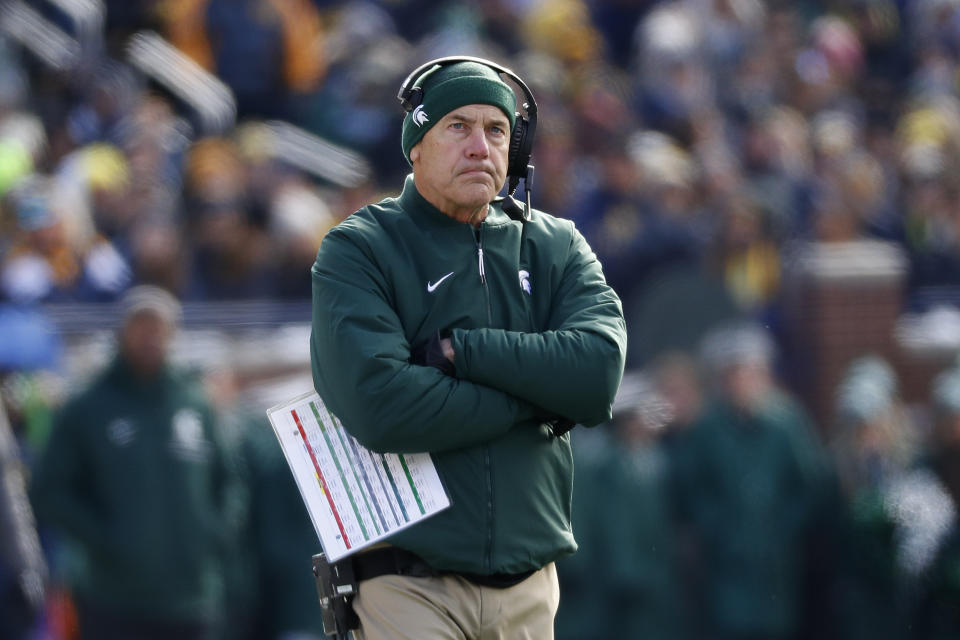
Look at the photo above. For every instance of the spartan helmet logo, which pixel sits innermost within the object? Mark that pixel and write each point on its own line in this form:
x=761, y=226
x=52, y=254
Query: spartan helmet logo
x=419, y=116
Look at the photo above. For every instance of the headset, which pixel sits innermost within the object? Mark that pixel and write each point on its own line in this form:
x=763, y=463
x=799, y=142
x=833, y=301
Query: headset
x=521, y=138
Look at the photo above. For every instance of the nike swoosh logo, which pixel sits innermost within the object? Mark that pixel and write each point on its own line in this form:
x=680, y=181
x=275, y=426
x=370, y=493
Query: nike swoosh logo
x=431, y=286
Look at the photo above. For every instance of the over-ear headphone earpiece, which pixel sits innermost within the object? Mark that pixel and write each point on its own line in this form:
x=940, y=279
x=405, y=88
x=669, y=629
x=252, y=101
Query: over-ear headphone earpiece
x=521, y=138
x=412, y=99
x=516, y=142
x=521, y=148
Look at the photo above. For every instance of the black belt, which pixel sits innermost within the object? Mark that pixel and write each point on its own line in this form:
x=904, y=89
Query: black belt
x=395, y=561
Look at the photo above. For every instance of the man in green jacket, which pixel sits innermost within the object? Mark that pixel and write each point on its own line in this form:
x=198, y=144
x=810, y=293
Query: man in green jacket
x=133, y=477
x=450, y=321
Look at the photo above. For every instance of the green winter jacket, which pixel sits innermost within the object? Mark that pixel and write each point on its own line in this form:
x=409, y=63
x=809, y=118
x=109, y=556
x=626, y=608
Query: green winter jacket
x=134, y=475
x=537, y=333
x=749, y=483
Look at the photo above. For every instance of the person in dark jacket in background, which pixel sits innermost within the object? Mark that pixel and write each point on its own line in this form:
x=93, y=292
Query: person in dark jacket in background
x=874, y=451
x=134, y=478
x=284, y=537
x=582, y=615
x=936, y=614
x=446, y=320
x=749, y=484
x=638, y=543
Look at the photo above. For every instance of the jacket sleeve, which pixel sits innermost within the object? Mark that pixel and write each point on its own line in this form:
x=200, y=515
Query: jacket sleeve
x=359, y=355
x=573, y=369
x=59, y=487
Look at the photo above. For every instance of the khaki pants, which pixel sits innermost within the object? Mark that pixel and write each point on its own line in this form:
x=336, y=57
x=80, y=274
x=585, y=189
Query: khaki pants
x=395, y=607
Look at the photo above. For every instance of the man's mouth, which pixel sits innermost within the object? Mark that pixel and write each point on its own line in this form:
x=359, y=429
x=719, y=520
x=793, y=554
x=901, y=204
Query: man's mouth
x=474, y=172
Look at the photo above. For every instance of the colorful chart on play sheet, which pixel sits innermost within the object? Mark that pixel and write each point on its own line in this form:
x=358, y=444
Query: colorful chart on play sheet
x=355, y=497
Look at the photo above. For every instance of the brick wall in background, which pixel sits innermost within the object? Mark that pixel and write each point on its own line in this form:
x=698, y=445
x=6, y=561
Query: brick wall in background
x=842, y=301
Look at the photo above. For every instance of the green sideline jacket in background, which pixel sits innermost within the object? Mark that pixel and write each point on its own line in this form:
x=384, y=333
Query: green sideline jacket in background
x=537, y=333
x=134, y=474
x=749, y=484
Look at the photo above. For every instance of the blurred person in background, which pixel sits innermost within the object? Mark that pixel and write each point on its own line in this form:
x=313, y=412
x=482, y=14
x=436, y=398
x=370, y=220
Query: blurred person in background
x=937, y=612
x=746, y=255
x=154, y=142
x=241, y=612
x=677, y=380
x=775, y=153
x=748, y=489
x=99, y=102
x=22, y=143
x=637, y=552
x=583, y=605
x=230, y=250
x=40, y=263
x=871, y=197
x=299, y=219
x=564, y=31
x=826, y=66
x=124, y=197
x=134, y=479
x=291, y=209
x=31, y=376
x=615, y=21
x=673, y=77
x=270, y=591
x=875, y=449
x=30, y=359
x=23, y=569
x=267, y=51
x=284, y=540
x=831, y=220
x=928, y=141
x=55, y=256
x=639, y=216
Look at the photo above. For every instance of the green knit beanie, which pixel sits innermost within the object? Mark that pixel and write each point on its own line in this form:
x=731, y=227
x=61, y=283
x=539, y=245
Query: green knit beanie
x=449, y=87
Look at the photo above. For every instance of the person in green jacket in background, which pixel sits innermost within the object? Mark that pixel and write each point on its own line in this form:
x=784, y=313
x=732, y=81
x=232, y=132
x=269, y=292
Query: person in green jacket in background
x=749, y=484
x=270, y=590
x=450, y=321
x=284, y=540
x=638, y=541
x=583, y=610
x=135, y=479
x=874, y=449
x=936, y=614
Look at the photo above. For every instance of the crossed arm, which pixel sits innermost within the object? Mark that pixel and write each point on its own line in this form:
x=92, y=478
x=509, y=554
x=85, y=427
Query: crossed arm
x=502, y=377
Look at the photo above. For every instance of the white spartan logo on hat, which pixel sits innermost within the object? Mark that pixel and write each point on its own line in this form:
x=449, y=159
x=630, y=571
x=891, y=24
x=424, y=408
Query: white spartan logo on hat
x=419, y=116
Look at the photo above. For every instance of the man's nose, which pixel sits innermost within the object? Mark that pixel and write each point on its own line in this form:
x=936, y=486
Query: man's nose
x=477, y=144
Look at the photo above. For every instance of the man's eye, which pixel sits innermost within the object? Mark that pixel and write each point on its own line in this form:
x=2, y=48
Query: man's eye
x=500, y=131
x=457, y=125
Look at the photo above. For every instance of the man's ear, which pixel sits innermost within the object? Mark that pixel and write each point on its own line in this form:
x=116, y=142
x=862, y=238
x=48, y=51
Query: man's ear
x=415, y=153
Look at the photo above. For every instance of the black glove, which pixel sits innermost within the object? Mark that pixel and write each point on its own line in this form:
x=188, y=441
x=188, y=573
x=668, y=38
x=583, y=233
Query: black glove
x=430, y=354
x=560, y=426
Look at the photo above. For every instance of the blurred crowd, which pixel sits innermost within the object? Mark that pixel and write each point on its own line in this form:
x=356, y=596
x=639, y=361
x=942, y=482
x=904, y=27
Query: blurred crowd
x=705, y=133
x=695, y=143
x=712, y=507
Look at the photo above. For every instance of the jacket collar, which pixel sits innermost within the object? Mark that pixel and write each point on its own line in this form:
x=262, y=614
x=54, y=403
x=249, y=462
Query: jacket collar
x=120, y=373
x=418, y=207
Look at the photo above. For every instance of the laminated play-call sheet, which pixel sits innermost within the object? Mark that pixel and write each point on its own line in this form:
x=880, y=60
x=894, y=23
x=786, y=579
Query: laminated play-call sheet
x=355, y=497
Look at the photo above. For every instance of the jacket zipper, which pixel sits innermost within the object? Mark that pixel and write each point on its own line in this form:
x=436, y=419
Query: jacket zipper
x=487, y=466
x=483, y=273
